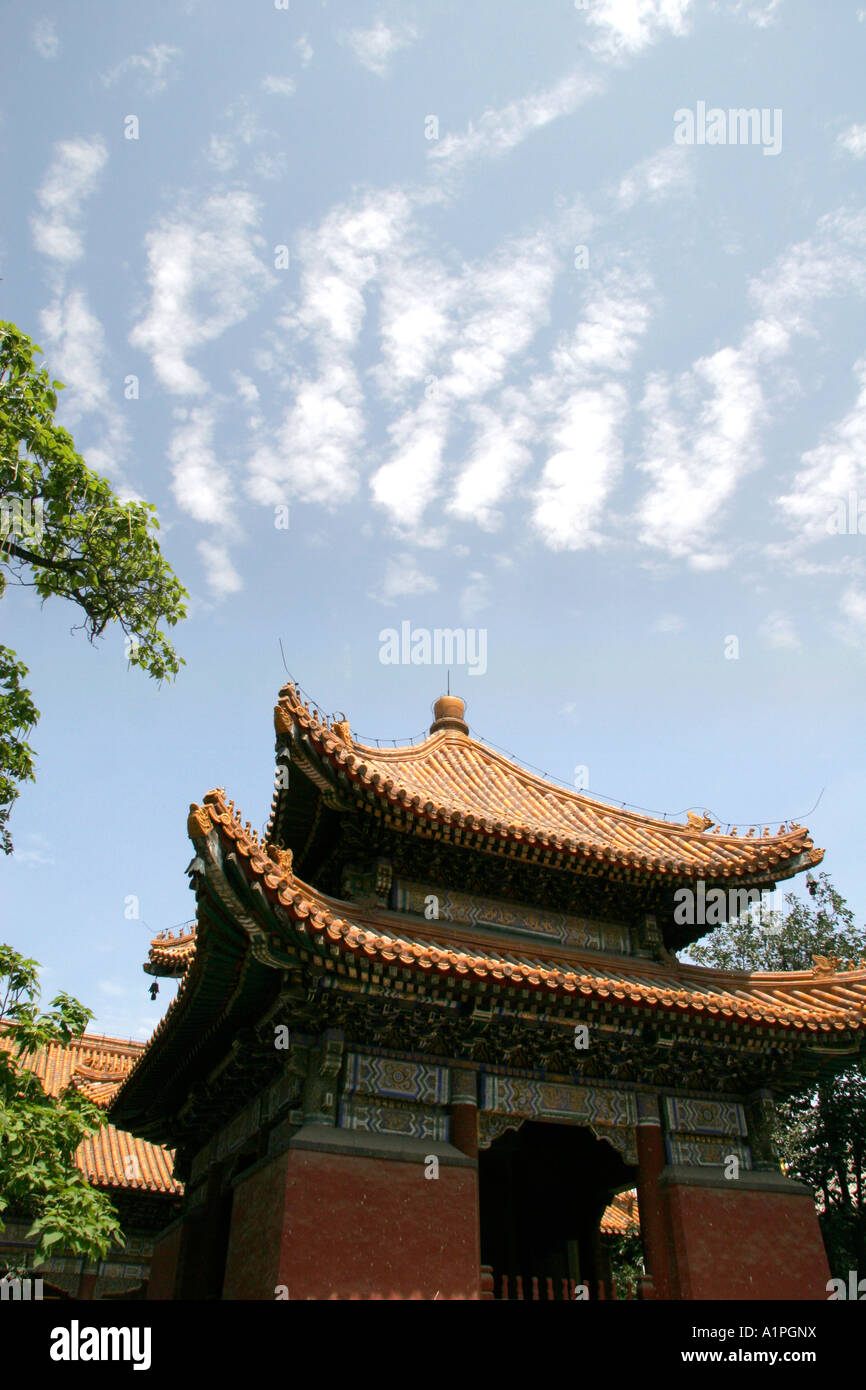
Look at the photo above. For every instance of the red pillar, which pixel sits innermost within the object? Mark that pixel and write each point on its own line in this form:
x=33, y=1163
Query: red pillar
x=653, y=1224
x=464, y=1111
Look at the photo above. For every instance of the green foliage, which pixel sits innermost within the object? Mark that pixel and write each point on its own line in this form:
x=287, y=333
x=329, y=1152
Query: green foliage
x=18, y=714
x=762, y=940
x=821, y=1132
x=625, y=1255
x=39, y=1134
x=85, y=546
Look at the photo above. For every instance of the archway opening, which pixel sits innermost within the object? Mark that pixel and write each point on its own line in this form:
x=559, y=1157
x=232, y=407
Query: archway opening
x=542, y=1191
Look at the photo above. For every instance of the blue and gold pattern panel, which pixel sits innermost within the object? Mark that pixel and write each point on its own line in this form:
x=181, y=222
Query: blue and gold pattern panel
x=396, y=1079
x=702, y=1152
x=469, y=910
x=703, y=1133
x=409, y=1121
x=545, y=1100
x=685, y=1115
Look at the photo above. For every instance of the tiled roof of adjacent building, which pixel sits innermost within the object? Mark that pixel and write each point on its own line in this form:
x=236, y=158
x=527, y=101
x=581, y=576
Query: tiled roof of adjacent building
x=96, y=1066
x=457, y=787
x=621, y=1215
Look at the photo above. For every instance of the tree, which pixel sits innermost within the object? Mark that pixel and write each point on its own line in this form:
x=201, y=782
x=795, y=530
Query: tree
x=821, y=1130
x=64, y=533
x=39, y=1133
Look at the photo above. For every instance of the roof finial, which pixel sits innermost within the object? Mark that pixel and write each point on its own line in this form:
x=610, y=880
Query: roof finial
x=448, y=713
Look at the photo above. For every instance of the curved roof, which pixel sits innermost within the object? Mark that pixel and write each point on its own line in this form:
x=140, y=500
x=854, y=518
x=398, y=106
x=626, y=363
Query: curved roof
x=469, y=791
x=171, y=955
x=97, y=1066
x=820, y=1000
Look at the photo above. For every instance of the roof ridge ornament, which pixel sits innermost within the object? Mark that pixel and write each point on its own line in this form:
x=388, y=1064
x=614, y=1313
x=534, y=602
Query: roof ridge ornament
x=448, y=712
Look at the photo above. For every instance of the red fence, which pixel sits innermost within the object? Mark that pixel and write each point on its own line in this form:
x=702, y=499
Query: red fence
x=543, y=1288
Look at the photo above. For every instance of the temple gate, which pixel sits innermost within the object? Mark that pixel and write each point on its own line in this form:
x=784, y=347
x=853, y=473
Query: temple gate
x=432, y=1021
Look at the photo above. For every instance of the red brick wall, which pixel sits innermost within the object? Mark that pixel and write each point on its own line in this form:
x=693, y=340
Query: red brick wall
x=163, y=1264
x=252, y=1262
x=326, y=1225
x=736, y=1243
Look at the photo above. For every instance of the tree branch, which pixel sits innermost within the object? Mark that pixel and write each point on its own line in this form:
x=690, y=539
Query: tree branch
x=21, y=554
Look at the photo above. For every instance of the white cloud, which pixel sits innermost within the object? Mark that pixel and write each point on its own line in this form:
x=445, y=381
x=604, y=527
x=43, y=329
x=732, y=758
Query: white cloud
x=246, y=388
x=152, y=66
x=831, y=481
x=278, y=86
x=205, y=276
x=403, y=579
x=222, y=577
x=853, y=140
x=70, y=179
x=406, y=483
x=852, y=627
x=701, y=438
x=270, y=166
x=475, y=596
x=312, y=457
x=779, y=631
x=831, y=262
x=77, y=353
x=760, y=13
x=704, y=428
x=314, y=450
x=45, y=38
x=75, y=341
x=470, y=328
x=669, y=170
x=33, y=853
x=201, y=486
x=341, y=258
x=241, y=129
x=375, y=47
x=668, y=624
x=304, y=50
x=417, y=300
x=503, y=303
x=609, y=332
x=582, y=409
x=578, y=476
x=626, y=26
x=500, y=453
x=502, y=129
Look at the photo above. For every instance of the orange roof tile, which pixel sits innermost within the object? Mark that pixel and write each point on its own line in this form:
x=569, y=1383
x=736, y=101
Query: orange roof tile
x=621, y=1215
x=172, y=955
x=97, y=1066
x=812, y=1002
x=457, y=783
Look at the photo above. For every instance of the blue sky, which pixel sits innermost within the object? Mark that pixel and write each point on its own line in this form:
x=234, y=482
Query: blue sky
x=443, y=281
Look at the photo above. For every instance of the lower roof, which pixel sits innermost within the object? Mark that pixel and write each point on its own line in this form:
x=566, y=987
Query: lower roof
x=821, y=999
x=96, y=1066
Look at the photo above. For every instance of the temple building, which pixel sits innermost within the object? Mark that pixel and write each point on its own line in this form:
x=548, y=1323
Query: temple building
x=431, y=1023
x=135, y=1175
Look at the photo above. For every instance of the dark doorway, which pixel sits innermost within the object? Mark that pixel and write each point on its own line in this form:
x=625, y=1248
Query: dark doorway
x=542, y=1190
